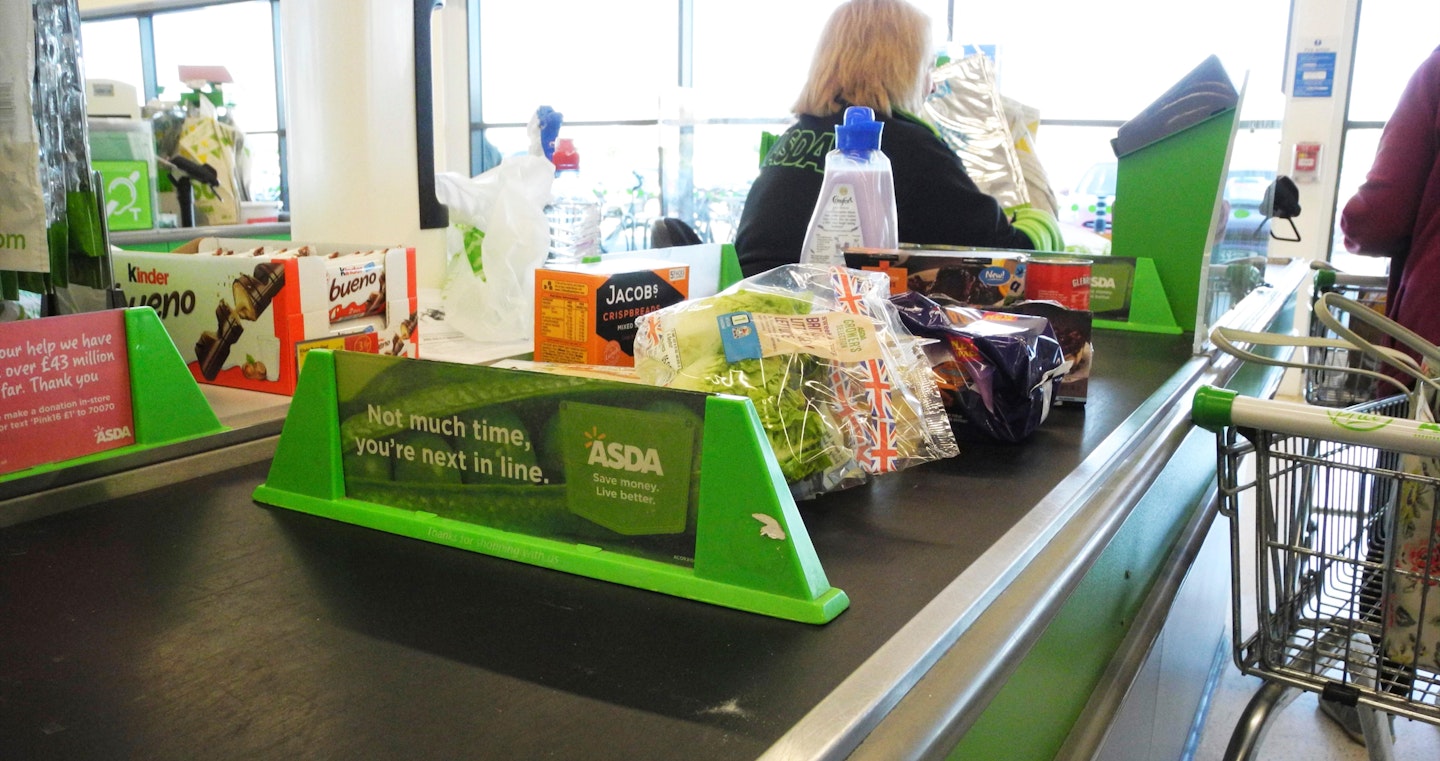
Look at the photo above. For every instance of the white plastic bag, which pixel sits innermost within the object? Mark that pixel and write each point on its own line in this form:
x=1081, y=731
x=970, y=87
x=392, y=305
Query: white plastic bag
x=498, y=236
x=1024, y=124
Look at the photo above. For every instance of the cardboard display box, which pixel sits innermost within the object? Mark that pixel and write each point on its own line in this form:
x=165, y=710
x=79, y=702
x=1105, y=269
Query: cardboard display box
x=978, y=278
x=243, y=313
x=585, y=313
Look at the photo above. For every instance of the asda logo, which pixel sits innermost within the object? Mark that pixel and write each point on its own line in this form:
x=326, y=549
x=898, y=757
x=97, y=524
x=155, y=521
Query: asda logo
x=104, y=435
x=616, y=455
x=1359, y=421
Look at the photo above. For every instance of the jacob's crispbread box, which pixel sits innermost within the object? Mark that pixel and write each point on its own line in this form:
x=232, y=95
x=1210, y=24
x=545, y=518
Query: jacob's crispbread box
x=585, y=313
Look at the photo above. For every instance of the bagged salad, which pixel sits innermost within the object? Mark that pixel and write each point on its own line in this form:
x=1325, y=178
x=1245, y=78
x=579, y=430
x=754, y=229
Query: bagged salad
x=843, y=391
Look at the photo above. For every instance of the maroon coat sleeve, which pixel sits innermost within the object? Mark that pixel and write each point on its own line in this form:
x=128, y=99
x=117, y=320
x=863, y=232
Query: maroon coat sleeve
x=1381, y=218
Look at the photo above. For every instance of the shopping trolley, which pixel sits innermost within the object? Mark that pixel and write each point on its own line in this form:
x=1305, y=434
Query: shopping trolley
x=1326, y=615
x=1344, y=531
x=1330, y=382
x=1229, y=282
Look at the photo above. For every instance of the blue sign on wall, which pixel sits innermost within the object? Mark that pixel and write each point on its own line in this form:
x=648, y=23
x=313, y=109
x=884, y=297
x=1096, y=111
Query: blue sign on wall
x=1314, y=75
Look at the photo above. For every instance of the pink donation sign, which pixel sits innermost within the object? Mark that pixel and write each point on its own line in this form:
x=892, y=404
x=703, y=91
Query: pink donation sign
x=64, y=389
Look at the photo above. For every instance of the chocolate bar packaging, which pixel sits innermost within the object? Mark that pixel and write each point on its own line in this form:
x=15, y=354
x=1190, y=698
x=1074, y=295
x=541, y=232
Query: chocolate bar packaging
x=243, y=313
x=1074, y=329
x=997, y=372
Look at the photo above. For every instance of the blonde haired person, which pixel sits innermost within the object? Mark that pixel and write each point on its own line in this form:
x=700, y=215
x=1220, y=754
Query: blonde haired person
x=872, y=53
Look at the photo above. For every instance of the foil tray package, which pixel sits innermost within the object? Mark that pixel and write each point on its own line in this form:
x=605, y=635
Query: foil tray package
x=843, y=391
x=965, y=106
x=998, y=372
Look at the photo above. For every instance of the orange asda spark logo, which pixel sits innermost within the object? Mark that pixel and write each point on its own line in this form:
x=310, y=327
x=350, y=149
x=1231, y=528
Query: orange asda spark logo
x=617, y=455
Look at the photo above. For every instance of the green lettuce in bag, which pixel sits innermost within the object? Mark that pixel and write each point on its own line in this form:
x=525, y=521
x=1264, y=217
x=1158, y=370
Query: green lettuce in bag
x=821, y=353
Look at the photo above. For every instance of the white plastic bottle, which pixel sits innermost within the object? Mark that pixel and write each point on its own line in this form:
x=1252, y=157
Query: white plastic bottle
x=574, y=211
x=856, y=207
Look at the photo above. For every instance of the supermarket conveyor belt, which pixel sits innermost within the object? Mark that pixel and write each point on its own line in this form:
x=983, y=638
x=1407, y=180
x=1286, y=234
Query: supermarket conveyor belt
x=188, y=621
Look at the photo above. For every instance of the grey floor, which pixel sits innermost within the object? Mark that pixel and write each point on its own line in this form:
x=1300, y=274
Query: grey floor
x=1300, y=732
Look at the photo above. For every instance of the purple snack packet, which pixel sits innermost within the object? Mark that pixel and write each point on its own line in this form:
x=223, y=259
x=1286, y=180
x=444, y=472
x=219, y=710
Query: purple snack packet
x=997, y=371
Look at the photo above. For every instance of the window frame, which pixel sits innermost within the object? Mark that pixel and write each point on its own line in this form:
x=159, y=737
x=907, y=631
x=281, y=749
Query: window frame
x=145, y=28
x=679, y=191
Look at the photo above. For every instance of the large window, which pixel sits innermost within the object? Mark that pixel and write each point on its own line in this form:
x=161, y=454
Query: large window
x=682, y=135
x=1091, y=66
x=147, y=50
x=1393, y=37
x=606, y=67
x=112, y=51
x=667, y=99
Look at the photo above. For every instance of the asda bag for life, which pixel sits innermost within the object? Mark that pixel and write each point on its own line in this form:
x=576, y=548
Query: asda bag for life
x=1411, y=596
x=498, y=236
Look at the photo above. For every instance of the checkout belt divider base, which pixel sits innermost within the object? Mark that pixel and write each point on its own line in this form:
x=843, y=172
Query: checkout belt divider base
x=751, y=551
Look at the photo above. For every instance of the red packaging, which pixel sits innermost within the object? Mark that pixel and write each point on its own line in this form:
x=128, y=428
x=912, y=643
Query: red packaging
x=1066, y=281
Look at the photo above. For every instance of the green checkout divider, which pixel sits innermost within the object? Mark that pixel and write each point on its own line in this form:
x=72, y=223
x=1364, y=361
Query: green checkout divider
x=165, y=397
x=750, y=548
x=1149, y=307
x=165, y=400
x=1170, y=189
x=730, y=272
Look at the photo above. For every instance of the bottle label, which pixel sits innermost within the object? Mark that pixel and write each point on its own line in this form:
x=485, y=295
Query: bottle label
x=837, y=336
x=837, y=226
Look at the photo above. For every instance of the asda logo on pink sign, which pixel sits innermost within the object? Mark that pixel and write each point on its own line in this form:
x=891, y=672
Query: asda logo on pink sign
x=106, y=435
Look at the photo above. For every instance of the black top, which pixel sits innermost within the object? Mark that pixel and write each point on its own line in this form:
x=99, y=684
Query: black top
x=189, y=622
x=936, y=202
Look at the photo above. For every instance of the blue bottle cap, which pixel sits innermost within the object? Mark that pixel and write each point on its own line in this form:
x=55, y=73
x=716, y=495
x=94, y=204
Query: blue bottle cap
x=860, y=132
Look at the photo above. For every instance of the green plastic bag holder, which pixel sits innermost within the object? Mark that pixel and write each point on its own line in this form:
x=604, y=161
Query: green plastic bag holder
x=751, y=551
x=165, y=400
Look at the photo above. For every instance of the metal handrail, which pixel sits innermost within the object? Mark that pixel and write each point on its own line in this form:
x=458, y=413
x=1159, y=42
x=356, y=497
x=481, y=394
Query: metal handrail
x=964, y=644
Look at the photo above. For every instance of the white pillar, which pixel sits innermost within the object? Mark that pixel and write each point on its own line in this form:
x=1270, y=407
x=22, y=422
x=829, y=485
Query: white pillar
x=1316, y=25
x=350, y=96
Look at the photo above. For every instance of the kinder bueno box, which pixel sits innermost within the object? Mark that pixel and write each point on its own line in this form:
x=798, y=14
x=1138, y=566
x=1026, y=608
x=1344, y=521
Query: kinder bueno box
x=585, y=313
x=243, y=313
x=972, y=277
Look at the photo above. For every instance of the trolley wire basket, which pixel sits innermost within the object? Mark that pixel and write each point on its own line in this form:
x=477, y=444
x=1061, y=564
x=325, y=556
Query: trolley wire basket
x=1338, y=607
x=1331, y=382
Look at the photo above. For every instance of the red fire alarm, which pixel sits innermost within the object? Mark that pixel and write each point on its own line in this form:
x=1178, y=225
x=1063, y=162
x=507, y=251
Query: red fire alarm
x=1306, y=167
